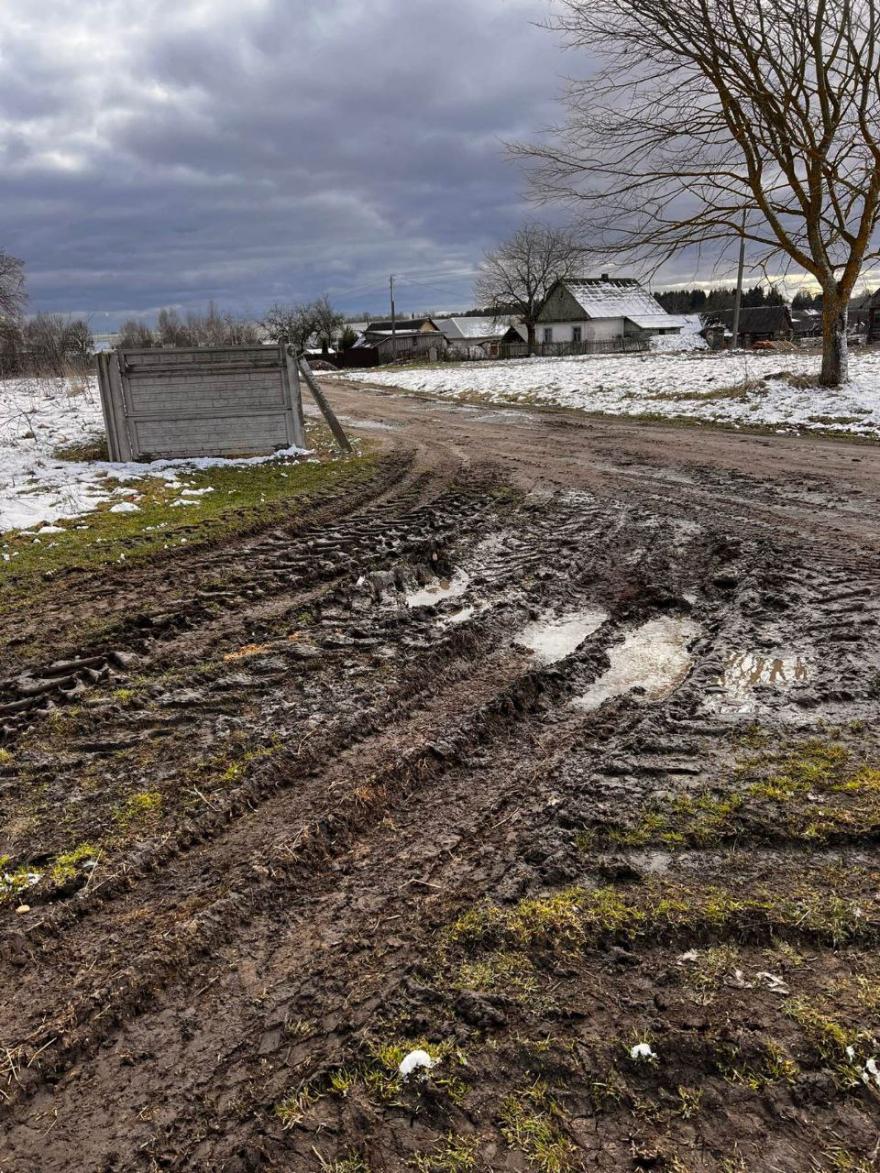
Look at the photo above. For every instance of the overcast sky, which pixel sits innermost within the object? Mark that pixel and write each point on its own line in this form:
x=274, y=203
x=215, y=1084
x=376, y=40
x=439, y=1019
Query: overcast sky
x=165, y=152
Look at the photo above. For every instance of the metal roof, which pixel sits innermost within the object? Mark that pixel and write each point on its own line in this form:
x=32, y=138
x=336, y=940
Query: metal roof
x=621, y=297
x=474, y=327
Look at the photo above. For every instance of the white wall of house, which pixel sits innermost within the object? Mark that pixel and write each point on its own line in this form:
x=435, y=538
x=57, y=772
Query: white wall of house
x=591, y=330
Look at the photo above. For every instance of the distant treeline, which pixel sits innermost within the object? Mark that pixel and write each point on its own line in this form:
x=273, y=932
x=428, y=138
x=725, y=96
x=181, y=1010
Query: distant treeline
x=708, y=301
x=214, y=328
x=47, y=344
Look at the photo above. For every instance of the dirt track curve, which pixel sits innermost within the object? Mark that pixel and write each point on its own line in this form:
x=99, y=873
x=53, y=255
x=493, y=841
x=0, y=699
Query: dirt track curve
x=555, y=738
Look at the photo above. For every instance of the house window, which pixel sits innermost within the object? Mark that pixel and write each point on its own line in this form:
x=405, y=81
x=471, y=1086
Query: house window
x=548, y=333
x=576, y=334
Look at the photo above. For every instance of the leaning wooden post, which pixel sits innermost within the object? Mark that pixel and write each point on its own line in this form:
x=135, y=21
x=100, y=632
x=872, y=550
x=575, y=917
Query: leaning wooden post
x=326, y=409
x=299, y=427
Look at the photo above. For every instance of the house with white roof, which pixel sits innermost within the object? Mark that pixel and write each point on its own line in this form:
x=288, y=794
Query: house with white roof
x=580, y=310
x=478, y=336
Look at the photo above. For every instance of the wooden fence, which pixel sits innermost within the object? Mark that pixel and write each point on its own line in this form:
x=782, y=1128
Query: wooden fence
x=567, y=349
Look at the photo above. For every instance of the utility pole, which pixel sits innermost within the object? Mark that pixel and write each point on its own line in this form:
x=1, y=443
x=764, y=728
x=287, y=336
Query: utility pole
x=393, y=320
x=737, y=305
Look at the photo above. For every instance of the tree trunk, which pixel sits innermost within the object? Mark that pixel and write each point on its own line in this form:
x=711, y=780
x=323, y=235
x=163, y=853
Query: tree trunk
x=835, y=352
x=530, y=329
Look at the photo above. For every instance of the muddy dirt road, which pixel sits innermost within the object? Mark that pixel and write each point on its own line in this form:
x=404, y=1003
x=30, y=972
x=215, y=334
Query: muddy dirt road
x=550, y=753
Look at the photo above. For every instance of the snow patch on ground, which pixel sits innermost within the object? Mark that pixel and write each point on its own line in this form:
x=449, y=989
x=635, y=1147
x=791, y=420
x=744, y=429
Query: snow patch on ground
x=415, y=1061
x=688, y=339
x=38, y=416
x=739, y=388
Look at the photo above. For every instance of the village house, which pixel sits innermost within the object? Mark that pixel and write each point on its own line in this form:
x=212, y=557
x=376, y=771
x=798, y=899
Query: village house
x=409, y=338
x=480, y=336
x=864, y=315
x=761, y=323
x=806, y=324
x=579, y=311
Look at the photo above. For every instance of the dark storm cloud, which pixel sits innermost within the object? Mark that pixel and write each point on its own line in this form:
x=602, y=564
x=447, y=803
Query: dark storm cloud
x=165, y=153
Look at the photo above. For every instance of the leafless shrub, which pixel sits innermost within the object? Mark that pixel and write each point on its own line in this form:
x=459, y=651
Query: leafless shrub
x=12, y=291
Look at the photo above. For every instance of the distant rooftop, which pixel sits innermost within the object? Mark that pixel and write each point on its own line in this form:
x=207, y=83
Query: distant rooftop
x=473, y=327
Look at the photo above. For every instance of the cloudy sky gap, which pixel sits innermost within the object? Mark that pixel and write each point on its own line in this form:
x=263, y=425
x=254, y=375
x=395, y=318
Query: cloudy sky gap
x=159, y=152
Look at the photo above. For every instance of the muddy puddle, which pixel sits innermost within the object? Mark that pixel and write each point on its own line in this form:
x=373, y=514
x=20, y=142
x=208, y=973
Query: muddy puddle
x=746, y=671
x=439, y=589
x=653, y=657
x=553, y=637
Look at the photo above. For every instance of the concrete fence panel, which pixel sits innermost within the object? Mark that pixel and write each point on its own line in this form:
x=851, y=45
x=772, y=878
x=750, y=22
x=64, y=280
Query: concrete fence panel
x=225, y=401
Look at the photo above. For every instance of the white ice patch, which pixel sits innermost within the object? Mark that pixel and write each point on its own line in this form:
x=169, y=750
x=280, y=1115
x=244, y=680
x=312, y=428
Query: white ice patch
x=439, y=589
x=125, y=507
x=653, y=657
x=415, y=1061
x=554, y=637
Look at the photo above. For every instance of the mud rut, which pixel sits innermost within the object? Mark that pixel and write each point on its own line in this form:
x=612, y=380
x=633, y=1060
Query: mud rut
x=343, y=776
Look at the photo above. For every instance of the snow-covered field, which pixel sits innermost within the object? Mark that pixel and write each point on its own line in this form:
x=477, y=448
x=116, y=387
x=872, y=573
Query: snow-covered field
x=39, y=416
x=739, y=388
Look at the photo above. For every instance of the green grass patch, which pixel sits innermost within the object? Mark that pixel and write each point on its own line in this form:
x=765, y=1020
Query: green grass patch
x=531, y=1122
x=63, y=868
x=809, y=791
x=240, y=498
x=454, y=1154
x=375, y=1073
x=139, y=808
x=827, y=906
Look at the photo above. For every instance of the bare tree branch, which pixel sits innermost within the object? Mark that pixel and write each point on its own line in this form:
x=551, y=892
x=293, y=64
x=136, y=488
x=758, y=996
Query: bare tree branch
x=703, y=112
x=12, y=292
x=516, y=277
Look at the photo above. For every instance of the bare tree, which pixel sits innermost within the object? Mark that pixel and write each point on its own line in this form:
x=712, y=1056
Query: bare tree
x=12, y=292
x=290, y=323
x=328, y=323
x=172, y=330
x=516, y=277
x=710, y=120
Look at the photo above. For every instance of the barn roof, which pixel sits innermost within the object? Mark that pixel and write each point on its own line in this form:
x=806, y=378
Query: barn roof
x=758, y=319
x=400, y=325
x=620, y=297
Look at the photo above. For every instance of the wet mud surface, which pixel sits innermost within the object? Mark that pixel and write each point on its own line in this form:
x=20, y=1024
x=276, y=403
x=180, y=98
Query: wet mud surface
x=551, y=752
